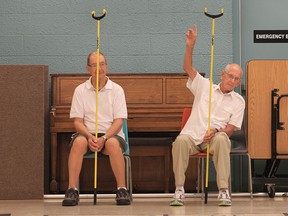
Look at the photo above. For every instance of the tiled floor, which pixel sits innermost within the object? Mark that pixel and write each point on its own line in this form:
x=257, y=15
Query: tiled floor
x=147, y=205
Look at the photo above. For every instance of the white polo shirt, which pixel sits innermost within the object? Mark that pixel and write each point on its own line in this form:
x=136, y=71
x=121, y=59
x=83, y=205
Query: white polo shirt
x=111, y=105
x=225, y=108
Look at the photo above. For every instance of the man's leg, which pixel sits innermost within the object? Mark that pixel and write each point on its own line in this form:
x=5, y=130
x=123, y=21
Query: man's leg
x=182, y=148
x=220, y=148
x=78, y=149
x=117, y=162
x=113, y=149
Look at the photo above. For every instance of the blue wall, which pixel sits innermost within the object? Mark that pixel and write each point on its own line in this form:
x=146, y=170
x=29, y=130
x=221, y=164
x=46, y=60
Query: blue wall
x=270, y=15
x=136, y=35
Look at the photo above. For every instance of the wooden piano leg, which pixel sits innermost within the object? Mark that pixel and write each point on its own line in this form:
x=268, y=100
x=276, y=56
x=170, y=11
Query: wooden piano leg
x=53, y=183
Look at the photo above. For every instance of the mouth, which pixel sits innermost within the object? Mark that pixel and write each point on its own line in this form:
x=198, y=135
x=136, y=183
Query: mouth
x=231, y=85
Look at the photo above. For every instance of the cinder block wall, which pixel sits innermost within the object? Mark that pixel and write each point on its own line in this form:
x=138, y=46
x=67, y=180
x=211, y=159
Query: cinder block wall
x=136, y=35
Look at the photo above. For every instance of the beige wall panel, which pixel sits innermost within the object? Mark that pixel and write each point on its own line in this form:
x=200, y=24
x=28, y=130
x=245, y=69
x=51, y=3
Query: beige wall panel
x=262, y=77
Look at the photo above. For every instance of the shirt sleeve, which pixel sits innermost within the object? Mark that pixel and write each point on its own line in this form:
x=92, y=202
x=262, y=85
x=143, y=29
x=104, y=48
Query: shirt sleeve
x=238, y=114
x=120, y=107
x=197, y=84
x=77, y=109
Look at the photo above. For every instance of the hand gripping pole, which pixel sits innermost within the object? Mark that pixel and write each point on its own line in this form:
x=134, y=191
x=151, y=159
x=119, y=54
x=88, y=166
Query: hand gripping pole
x=98, y=18
x=210, y=96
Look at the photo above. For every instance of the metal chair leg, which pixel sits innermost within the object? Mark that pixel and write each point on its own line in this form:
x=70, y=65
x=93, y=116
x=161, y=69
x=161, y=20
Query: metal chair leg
x=250, y=184
x=202, y=177
x=198, y=176
x=128, y=175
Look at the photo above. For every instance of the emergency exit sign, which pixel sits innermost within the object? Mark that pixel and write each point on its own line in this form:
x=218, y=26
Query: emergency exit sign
x=270, y=36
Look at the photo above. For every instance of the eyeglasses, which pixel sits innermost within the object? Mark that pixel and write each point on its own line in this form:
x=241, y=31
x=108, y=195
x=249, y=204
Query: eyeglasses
x=230, y=76
x=101, y=64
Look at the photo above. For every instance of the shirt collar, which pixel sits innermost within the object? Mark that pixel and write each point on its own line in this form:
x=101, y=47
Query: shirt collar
x=91, y=87
x=217, y=87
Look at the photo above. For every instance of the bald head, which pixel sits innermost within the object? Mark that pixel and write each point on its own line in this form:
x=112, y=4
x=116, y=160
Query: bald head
x=94, y=53
x=234, y=67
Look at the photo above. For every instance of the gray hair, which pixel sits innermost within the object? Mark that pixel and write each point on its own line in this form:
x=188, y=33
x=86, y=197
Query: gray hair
x=94, y=53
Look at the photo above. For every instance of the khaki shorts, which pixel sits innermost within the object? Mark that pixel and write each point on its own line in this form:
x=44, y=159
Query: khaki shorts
x=120, y=139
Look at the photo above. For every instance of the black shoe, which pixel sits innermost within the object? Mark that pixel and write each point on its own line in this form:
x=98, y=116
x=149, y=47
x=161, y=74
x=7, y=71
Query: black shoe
x=71, y=197
x=122, y=197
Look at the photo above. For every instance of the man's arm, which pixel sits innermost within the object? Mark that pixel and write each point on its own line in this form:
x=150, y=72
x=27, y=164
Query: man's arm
x=229, y=129
x=115, y=128
x=191, y=36
x=81, y=128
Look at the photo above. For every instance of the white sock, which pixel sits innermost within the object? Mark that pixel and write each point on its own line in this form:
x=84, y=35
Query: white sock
x=118, y=188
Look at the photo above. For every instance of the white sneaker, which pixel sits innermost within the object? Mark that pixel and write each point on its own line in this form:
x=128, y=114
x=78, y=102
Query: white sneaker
x=224, y=198
x=178, y=198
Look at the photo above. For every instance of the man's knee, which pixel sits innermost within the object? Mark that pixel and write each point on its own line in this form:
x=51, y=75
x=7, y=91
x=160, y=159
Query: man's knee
x=180, y=143
x=221, y=140
x=112, y=147
x=221, y=137
x=80, y=144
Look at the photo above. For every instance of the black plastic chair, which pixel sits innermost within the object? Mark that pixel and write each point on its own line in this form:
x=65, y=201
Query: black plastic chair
x=239, y=147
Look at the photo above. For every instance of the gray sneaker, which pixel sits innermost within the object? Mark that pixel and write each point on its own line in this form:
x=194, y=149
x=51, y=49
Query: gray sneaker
x=122, y=197
x=224, y=198
x=71, y=197
x=178, y=198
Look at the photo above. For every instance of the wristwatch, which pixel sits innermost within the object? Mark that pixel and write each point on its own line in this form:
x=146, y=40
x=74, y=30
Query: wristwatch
x=104, y=138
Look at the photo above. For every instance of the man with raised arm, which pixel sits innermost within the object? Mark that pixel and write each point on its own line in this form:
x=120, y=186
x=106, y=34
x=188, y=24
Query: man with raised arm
x=227, y=110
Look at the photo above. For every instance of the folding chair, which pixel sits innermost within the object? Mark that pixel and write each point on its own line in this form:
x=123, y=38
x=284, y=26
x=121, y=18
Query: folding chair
x=126, y=154
x=239, y=147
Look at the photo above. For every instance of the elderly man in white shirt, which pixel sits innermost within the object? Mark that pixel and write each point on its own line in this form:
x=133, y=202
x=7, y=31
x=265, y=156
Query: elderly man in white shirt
x=110, y=138
x=227, y=110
